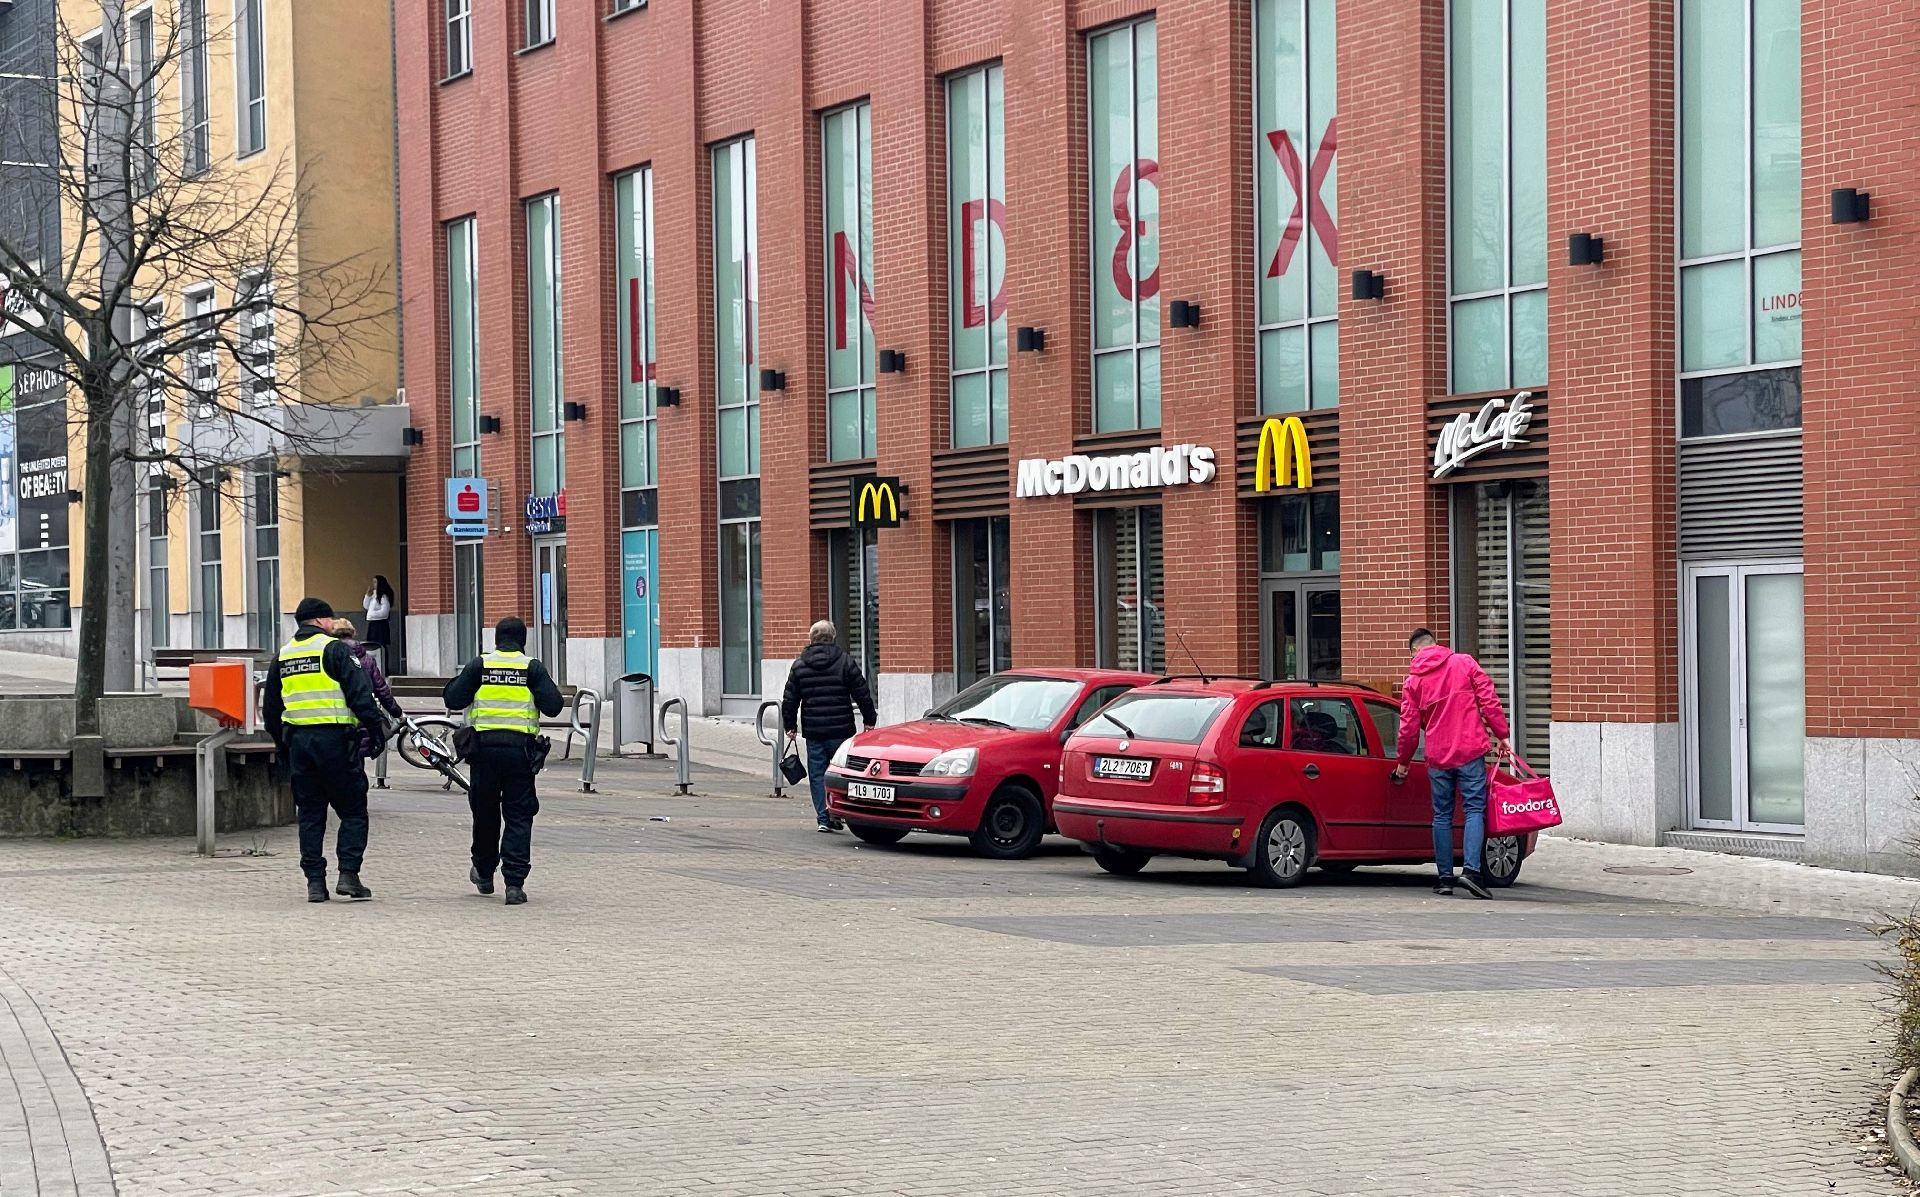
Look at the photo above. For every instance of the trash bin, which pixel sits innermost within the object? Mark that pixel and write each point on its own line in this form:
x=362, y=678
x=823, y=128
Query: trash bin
x=633, y=714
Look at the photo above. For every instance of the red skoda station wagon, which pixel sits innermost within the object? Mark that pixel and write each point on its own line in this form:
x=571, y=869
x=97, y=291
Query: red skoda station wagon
x=1274, y=777
x=984, y=764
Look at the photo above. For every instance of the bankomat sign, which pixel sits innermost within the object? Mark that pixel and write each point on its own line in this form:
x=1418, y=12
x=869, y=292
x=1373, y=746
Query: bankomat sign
x=1283, y=450
x=874, y=502
x=1178, y=465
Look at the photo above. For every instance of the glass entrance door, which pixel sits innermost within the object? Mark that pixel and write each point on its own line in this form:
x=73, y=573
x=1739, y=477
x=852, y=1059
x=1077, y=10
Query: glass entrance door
x=1746, y=696
x=1300, y=627
x=550, y=606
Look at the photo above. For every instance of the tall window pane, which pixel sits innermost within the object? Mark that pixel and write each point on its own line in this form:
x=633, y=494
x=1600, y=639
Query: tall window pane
x=976, y=257
x=463, y=318
x=459, y=37
x=633, y=236
x=846, y=171
x=1296, y=204
x=195, y=147
x=736, y=370
x=543, y=341
x=250, y=75
x=266, y=556
x=1124, y=208
x=1128, y=590
x=1497, y=197
x=1740, y=180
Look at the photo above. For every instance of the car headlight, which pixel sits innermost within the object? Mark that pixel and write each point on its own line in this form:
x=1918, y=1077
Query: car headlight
x=839, y=760
x=955, y=762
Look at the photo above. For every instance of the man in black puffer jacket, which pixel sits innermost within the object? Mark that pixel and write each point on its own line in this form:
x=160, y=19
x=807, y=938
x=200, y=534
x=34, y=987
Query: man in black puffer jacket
x=823, y=687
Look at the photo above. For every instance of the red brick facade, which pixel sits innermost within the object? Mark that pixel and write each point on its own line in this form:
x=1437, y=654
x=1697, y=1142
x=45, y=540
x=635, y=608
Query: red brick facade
x=662, y=84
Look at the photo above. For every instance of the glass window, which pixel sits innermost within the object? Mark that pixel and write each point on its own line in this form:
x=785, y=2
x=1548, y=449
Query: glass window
x=1386, y=721
x=259, y=375
x=463, y=345
x=196, y=149
x=212, y=603
x=846, y=171
x=1128, y=590
x=1502, y=601
x=982, y=599
x=459, y=37
x=639, y=440
x=976, y=257
x=1300, y=533
x=544, y=374
x=1296, y=204
x=34, y=583
x=1732, y=404
x=250, y=80
x=159, y=593
x=853, y=589
x=736, y=336
x=1325, y=725
x=620, y=6
x=266, y=555
x=1099, y=697
x=1497, y=198
x=467, y=589
x=140, y=151
x=1157, y=715
x=1124, y=164
x=1262, y=728
x=1739, y=186
x=539, y=16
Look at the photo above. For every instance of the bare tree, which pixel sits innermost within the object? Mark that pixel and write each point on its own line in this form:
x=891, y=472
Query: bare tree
x=188, y=325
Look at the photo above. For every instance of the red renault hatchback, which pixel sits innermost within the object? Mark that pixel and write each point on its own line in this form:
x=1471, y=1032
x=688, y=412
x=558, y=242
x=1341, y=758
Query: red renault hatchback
x=984, y=764
x=1272, y=776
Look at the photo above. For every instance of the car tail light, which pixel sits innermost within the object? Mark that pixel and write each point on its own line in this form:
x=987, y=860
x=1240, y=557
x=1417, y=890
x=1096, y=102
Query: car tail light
x=1206, y=783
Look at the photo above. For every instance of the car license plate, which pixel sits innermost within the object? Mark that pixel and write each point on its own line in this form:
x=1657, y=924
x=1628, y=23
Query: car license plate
x=1132, y=768
x=869, y=793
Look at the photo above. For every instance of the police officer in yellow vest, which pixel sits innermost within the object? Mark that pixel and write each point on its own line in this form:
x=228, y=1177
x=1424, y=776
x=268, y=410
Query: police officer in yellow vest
x=508, y=692
x=317, y=702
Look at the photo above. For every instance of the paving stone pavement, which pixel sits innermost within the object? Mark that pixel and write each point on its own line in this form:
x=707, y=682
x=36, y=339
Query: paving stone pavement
x=705, y=996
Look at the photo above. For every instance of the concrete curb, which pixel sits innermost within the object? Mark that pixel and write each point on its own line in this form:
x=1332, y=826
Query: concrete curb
x=1899, y=1137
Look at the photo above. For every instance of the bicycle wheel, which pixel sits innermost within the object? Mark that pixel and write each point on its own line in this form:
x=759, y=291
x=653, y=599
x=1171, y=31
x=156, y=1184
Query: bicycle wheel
x=439, y=731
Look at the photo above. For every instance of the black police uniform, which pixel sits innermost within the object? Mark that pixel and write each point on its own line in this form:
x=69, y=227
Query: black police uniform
x=501, y=775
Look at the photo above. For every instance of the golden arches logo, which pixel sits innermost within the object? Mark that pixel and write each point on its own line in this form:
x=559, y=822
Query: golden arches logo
x=1283, y=450
x=883, y=497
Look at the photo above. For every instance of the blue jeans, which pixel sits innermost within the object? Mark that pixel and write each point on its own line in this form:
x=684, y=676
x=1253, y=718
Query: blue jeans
x=819, y=753
x=1470, y=780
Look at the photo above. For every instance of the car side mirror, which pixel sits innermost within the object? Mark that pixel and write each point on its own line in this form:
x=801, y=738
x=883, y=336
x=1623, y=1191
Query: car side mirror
x=1065, y=735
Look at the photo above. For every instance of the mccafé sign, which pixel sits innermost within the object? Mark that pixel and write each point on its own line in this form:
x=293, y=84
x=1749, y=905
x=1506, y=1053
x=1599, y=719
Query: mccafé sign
x=1501, y=423
x=1178, y=465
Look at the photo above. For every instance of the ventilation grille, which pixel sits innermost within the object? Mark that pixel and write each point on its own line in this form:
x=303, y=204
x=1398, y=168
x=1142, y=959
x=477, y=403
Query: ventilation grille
x=1741, y=498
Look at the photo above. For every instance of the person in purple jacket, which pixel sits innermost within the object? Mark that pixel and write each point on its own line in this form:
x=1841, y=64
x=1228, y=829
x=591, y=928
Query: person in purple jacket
x=382, y=692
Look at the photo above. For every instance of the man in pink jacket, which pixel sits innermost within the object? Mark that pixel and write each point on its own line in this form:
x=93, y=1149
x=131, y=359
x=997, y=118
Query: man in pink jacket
x=1450, y=698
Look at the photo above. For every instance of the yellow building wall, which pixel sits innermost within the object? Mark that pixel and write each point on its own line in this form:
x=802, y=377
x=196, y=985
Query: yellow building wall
x=348, y=533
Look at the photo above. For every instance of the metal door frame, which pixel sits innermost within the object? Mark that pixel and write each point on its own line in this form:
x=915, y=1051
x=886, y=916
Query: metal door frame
x=553, y=655
x=1301, y=584
x=1736, y=571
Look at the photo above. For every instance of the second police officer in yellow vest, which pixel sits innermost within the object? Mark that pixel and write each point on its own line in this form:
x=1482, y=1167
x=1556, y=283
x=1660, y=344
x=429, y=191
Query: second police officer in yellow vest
x=507, y=692
x=317, y=702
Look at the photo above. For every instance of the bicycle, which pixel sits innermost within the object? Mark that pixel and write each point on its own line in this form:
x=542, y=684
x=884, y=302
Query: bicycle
x=427, y=743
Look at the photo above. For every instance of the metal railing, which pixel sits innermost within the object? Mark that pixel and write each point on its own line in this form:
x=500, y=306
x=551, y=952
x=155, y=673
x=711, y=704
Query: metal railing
x=591, y=733
x=682, y=744
x=772, y=740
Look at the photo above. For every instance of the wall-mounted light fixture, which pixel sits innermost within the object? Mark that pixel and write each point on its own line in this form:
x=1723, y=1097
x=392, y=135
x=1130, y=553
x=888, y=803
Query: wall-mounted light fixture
x=1850, y=206
x=773, y=380
x=74, y=496
x=1369, y=285
x=1183, y=313
x=572, y=412
x=893, y=361
x=412, y=436
x=666, y=396
x=1586, y=249
x=1027, y=339
x=489, y=423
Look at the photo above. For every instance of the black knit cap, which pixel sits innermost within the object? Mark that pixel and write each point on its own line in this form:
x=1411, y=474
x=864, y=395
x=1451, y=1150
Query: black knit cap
x=311, y=609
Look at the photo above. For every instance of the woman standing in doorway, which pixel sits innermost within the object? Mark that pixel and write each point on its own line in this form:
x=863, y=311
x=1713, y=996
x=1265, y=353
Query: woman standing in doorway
x=378, y=600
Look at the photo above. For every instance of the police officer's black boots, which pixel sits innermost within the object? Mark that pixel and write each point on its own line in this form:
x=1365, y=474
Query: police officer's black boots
x=516, y=896
x=350, y=887
x=483, y=884
x=317, y=890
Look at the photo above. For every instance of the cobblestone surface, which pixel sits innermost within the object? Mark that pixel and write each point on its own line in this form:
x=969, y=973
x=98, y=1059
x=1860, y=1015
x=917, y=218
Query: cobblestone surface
x=727, y=1003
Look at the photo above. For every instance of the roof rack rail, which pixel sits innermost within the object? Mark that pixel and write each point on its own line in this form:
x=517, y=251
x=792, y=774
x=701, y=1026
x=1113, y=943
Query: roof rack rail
x=1164, y=678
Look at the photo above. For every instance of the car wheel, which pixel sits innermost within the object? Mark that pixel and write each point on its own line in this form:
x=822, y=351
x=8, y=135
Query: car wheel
x=1286, y=848
x=1502, y=860
x=873, y=833
x=1121, y=862
x=1012, y=825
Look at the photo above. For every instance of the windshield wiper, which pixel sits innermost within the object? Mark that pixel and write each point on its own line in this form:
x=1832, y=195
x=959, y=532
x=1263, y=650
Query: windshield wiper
x=940, y=716
x=985, y=720
x=1124, y=729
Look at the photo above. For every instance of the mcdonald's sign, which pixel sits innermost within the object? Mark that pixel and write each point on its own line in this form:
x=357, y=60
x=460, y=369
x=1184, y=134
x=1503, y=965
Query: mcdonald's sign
x=874, y=502
x=1283, y=444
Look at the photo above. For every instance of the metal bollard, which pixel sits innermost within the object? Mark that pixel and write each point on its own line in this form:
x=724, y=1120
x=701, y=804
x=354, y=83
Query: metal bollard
x=682, y=743
x=592, y=733
x=207, y=755
x=772, y=740
x=380, y=767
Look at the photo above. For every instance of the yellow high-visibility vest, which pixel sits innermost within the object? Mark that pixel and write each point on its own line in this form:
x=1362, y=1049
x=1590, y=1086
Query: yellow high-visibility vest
x=504, y=701
x=310, y=695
